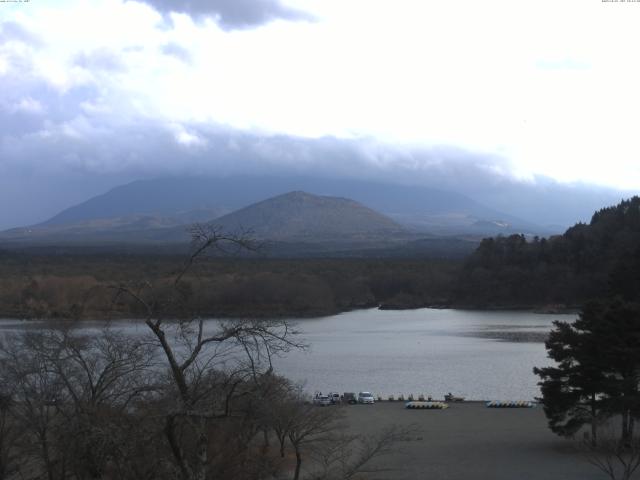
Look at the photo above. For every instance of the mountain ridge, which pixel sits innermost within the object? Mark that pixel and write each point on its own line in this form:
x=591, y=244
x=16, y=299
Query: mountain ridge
x=422, y=209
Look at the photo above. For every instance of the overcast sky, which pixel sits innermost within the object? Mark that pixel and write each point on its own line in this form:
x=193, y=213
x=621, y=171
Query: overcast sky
x=96, y=93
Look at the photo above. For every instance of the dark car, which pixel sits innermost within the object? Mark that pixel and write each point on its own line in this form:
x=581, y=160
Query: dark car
x=350, y=398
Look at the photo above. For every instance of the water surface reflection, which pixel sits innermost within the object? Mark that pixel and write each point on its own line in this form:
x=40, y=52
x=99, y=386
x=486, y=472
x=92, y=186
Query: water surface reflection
x=477, y=354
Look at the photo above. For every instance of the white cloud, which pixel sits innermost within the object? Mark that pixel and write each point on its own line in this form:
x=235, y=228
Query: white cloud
x=548, y=87
x=187, y=138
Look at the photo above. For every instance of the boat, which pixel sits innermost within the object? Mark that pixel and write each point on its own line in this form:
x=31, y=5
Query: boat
x=452, y=398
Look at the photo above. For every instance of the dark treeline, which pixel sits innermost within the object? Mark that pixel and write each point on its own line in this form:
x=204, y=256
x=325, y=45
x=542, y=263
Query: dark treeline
x=601, y=258
x=74, y=286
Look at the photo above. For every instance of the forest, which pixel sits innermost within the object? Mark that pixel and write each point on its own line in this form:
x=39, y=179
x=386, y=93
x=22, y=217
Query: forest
x=77, y=286
x=592, y=260
x=563, y=271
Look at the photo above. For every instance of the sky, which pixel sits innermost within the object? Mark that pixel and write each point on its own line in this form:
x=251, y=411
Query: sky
x=96, y=93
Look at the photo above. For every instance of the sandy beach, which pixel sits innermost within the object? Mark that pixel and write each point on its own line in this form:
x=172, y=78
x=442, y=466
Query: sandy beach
x=470, y=441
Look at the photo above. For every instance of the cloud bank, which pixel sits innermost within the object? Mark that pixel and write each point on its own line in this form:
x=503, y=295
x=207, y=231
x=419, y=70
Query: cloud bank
x=232, y=14
x=410, y=92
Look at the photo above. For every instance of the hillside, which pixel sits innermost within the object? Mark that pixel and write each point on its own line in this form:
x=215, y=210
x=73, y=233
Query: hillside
x=295, y=224
x=300, y=216
x=587, y=261
x=133, y=228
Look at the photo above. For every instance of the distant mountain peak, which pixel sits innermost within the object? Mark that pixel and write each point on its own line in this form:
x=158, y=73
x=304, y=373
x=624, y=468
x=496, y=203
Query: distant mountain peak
x=299, y=215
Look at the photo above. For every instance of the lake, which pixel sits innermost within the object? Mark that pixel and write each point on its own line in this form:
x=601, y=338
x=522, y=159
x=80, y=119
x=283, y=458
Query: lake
x=480, y=355
x=477, y=354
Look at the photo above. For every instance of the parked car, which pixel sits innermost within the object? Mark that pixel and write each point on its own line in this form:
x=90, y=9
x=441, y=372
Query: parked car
x=320, y=399
x=334, y=397
x=365, y=397
x=350, y=398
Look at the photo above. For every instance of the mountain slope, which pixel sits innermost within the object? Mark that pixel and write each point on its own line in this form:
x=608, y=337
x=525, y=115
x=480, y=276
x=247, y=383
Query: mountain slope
x=134, y=228
x=295, y=217
x=301, y=216
x=421, y=208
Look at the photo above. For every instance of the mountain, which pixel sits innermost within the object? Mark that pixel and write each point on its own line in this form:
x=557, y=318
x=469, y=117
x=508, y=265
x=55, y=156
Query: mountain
x=295, y=224
x=291, y=217
x=336, y=217
x=419, y=208
x=300, y=216
x=133, y=228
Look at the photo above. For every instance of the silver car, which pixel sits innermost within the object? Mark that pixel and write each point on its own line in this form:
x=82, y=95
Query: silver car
x=365, y=397
x=320, y=399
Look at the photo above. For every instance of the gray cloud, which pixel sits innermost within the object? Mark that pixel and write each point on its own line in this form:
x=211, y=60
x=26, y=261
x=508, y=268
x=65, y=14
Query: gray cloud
x=100, y=59
x=66, y=162
x=48, y=162
x=35, y=108
x=42, y=173
x=12, y=31
x=232, y=14
x=175, y=50
x=59, y=147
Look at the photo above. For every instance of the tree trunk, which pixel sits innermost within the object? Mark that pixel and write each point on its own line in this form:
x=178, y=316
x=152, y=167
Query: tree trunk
x=46, y=457
x=203, y=444
x=594, y=420
x=169, y=431
x=625, y=426
x=296, y=476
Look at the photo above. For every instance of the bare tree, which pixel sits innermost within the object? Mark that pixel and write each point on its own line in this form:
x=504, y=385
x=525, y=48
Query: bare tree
x=35, y=393
x=102, y=376
x=281, y=414
x=310, y=424
x=187, y=400
x=346, y=457
x=618, y=459
x=195, y=351
x=71, y=393
x=9, y=434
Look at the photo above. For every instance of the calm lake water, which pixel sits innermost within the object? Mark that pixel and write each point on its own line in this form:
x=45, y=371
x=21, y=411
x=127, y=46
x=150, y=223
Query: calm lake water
x=477, y=354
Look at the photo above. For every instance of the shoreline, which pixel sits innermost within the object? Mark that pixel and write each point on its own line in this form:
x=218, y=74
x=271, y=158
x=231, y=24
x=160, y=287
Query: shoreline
x=302, y=315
